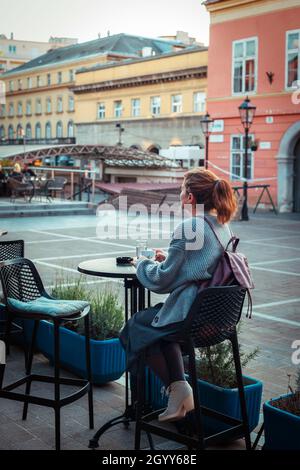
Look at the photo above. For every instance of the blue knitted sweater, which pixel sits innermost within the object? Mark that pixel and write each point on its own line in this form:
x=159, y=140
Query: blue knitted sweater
x=183, y=266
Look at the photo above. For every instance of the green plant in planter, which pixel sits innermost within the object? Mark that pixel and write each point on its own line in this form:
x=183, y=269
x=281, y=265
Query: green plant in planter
x=215, y=364
x=107, y=315
x=290, y=403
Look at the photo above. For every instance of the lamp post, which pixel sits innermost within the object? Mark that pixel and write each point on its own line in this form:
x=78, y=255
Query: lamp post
x=121, y=129
x=206, y=126
x=247, y=113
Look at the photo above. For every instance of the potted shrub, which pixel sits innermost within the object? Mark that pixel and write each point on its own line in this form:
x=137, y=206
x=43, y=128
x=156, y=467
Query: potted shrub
x=106, y=319
x=282, y=420
x=217, y=386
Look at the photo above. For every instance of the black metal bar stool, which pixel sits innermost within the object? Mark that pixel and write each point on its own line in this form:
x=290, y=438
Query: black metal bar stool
x=212, y=319
x=10, y=250
x=26, y=298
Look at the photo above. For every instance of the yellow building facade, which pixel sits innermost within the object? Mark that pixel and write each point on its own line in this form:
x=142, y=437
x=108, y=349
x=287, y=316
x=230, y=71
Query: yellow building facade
x=158, y=101
x=38, y=101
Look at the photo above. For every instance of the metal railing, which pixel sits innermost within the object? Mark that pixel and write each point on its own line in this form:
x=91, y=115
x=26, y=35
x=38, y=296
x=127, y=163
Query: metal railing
x=56, y=171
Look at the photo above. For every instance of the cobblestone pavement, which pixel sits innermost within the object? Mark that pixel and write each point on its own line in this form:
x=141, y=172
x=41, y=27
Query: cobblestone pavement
x=58, y=244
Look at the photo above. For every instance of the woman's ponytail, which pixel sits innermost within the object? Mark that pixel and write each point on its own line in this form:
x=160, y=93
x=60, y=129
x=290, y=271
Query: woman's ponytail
x=223, y=201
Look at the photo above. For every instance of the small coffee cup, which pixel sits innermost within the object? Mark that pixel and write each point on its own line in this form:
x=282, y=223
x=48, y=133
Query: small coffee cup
x=148, y=253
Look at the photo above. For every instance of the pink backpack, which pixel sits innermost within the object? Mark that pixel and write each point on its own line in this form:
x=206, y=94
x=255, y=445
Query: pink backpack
x=232, y=269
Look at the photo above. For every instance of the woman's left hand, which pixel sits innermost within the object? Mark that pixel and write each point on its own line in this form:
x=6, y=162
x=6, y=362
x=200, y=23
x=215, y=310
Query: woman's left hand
x=135, y=260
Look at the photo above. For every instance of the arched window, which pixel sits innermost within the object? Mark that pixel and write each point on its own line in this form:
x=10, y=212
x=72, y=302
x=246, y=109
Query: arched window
x=48, y=131
x=2, y=132
x=10, y=131
x=154, y=149
x=59, y=130
x=38, y=131
x=28, y=132
x=70, y=129
x=19, y=131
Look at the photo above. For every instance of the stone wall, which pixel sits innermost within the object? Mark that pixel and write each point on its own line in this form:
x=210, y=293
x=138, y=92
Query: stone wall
x=143, y=133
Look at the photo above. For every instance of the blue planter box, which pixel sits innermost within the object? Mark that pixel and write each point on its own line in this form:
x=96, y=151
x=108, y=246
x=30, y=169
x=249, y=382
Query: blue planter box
x=282, y=429
x=223, y=400
x=107, y=357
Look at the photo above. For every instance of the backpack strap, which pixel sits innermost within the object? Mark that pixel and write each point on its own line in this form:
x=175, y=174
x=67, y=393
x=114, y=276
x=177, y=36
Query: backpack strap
x=250, y=304
x=233, y=240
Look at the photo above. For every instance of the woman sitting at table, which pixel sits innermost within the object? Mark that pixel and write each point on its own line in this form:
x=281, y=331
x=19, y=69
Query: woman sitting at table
x=17, y=172
x=176, y=273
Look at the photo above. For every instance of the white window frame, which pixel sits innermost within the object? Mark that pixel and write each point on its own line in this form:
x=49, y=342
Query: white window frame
x=71, y=102
x=118, y=110
x=28, y=131
x=202, y=103
x=48, y=105
x=29, y=83
x=48, y=79
x=20, y=108
x=38, y=81
x=250, y=156
x=19, y=84
x=135, y=107
x=10, y=132
x=59, y=104
x=11, y=85
x=175, y=105
x=28, y=108
x=243, y=92
x=2, y=110
x=155, y=107
x=293, y=31
x=11, y=109
x=71, y=126
x=38, y=126
x=59, y=78
x=38, y=106
x=59, y=130
x=101, y=110
x=48, y=127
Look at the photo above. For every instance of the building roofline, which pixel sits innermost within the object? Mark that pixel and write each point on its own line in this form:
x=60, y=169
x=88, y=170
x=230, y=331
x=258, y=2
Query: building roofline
x=187, y=50
x=87, y=43
x=13, y=72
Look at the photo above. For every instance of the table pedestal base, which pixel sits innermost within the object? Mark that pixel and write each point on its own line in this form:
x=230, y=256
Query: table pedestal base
x=134, y=300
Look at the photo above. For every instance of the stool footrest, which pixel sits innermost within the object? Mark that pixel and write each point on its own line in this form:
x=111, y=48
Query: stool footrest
x=6, y=392
x=189, y=440
x=205, y=411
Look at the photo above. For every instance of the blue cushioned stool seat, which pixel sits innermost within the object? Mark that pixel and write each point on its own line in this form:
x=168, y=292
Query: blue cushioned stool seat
x=47, y=307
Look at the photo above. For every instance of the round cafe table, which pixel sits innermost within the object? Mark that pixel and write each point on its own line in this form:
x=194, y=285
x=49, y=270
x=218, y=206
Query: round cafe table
x=135, y=300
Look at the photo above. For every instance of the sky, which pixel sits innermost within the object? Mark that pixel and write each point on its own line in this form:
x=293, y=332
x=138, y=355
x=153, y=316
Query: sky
x=83, y=19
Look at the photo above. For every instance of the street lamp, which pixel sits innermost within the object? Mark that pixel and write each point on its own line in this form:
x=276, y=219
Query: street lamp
x=206, y=126
x=247, y=113
x=121, y=129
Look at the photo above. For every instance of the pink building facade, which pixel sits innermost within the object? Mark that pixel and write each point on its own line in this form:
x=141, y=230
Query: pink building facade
x=254, y=51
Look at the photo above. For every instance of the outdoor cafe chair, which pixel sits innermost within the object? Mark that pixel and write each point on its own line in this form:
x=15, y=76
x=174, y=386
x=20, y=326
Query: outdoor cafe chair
x=56, y=185
x=26, y=298
x=9, y=250
x=212, y=319
x=18, y=188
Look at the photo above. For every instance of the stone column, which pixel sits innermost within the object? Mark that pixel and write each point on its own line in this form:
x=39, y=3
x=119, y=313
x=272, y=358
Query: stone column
x=285, y=166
